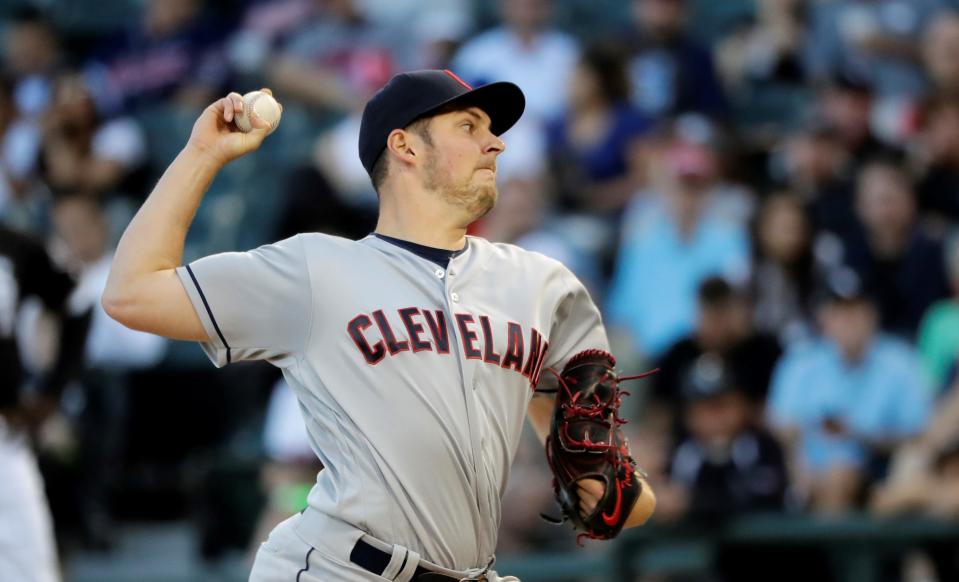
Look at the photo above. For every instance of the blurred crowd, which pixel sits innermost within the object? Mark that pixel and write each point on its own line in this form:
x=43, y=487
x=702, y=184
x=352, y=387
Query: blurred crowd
x=761, y=195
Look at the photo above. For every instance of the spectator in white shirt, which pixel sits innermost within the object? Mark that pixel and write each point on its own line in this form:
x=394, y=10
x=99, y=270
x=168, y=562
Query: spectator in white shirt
x=525, y=50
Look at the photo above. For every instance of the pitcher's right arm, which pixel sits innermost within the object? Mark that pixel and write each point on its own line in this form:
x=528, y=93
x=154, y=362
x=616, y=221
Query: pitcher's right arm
x=143, y=291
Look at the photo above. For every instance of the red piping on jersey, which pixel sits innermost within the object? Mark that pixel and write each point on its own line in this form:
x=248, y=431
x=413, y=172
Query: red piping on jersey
x=458, y=80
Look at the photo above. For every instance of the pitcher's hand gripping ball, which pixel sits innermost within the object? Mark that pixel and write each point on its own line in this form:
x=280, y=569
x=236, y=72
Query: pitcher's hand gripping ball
x=585, y=443
x=258, y=104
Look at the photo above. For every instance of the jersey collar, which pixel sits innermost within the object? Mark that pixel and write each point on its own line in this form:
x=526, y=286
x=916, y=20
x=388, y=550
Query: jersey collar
x=441, y=257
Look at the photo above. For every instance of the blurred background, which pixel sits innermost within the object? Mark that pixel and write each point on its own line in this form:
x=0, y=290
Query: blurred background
x=762, y=196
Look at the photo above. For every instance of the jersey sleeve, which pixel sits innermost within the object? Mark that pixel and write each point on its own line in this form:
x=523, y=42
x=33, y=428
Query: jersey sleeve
x=577, y=326
x=254, y=305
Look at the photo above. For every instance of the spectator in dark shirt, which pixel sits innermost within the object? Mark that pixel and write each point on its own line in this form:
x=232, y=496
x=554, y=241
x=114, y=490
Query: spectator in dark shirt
x=725, y=331
x=767, y=50
x=938, y=155
x=85, y=153
x=727, y=465
x=174, y=53
x=891, y=252
x=26, y=270
x=786, y=269
x=590, y=146
x=312, y=204
x=845, y=104
x=815, y=165
x=670, y=72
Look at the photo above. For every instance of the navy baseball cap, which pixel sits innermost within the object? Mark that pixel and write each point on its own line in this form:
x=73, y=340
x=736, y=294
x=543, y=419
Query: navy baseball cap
x=410, y=96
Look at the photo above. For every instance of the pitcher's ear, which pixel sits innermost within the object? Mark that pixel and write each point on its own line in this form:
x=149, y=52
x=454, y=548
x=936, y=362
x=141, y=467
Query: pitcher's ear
x=400, y=143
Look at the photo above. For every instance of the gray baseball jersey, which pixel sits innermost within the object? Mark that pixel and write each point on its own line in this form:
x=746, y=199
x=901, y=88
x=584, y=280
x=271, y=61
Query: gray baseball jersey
x=413, y=379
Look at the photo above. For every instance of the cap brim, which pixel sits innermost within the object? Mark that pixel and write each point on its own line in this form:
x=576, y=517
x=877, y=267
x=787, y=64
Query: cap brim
x=503, y=101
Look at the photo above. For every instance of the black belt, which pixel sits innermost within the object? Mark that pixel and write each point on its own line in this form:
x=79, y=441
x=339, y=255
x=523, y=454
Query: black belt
x=374, y=560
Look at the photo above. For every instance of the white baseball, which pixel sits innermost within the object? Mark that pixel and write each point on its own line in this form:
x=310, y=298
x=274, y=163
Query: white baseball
x=258, y=104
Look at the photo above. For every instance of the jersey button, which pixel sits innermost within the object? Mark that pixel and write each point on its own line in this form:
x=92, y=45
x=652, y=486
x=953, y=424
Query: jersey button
x=439, y=273
x=455, y=296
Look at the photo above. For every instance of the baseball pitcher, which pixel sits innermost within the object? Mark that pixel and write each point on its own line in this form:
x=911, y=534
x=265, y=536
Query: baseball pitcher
x=415, y=353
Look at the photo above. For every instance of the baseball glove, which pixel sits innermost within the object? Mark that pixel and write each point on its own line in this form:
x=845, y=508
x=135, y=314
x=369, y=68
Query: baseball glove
x=585, y=443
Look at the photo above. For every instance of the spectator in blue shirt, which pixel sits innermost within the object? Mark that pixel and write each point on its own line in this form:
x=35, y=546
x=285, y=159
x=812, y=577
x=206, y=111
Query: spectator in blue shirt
x=673, y=239
x=846, y=400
